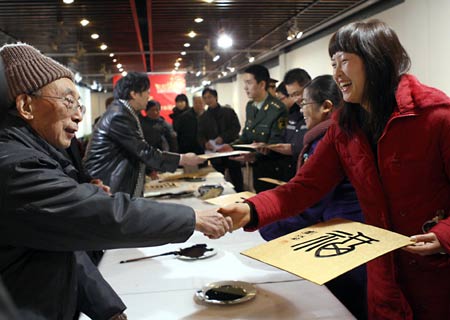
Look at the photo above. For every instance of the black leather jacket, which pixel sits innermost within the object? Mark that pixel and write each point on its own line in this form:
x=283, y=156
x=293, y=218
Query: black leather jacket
x=117, y=147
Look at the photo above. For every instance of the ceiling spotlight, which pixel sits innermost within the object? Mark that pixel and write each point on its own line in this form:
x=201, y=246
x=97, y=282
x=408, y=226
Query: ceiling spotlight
x=121, y=69
x=177, y=64
x=224, y=41
x=294, y=32
x=68, y=1
x=114, y=60
x=198, y=20
x=187, y=45
x=251, y=59
x=192, y=34
x=209, y=1
x=216, y=58
x=95, y=36
x=119, y=65
x=198, y=74
x=103, y=46
x=124, y=74
x=299, y=35
x=232, y=69
x=111, y=55
x=183, y=53
x=84, y=22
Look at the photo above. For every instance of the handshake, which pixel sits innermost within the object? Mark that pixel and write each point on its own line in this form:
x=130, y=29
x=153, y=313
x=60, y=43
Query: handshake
x=215, y=223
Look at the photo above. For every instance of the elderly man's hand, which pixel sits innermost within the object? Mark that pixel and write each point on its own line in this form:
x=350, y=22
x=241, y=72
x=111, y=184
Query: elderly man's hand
x=238, y=212
x=425, y=244
x=212, y=224
x=99, y=183
x=190, y=159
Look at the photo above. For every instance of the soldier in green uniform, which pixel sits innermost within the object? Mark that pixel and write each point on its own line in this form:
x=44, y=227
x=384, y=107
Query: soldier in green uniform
x=265, y=120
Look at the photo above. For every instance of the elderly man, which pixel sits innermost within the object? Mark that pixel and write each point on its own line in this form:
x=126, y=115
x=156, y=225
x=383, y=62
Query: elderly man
x=46, y=213
x=118, y=153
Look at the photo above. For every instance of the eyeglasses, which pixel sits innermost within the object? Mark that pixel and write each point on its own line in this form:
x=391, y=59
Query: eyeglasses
x=303, y=104
x=71, y=104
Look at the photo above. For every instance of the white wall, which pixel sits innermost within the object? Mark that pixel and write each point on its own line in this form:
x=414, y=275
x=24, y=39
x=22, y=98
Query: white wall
x=423, y=27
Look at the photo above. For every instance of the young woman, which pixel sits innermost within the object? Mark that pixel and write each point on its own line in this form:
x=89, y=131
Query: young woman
x=392, y=140
x=320, y=98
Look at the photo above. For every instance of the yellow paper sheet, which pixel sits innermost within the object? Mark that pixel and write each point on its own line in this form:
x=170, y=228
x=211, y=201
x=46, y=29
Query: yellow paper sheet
x=326, y=250
x=274, y=181
x=235, y=153
x=230, y=198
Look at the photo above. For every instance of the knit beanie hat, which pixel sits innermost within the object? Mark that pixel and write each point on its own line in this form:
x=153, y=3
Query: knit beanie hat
x=27, y=70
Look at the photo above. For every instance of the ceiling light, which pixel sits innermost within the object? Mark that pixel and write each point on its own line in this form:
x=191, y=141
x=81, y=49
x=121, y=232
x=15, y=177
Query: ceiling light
x=121, y=69
x=198, y=20
x=95, y=36
x=216, y=57
x=103, y=46
x=94, y=85
x=111, y=55
x=114, y=60
x=119, y=65
x=232, y=69
x=84, y=22
x=299, y=35
x=124, y=74
x=179, y=59
x=183, y=53
x=198, y=74
x=177, y=64
x=251, y=59
x=187, y=45
x=224, y=41
x=68, y=1
x=209, y=1
x=192, y=34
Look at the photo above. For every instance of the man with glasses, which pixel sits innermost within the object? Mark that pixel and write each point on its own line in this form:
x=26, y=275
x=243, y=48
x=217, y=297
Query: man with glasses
x=47, y=215
x=294, y=81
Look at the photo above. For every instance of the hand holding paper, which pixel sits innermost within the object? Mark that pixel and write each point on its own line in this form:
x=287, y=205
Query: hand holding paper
x=425, y=244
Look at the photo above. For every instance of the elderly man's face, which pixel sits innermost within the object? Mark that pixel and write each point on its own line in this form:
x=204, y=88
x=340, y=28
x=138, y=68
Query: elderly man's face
x=51, y=117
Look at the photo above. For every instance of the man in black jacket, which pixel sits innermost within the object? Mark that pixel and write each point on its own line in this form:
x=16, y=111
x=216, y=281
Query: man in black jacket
x=46, y=213
x=117, y=152
x=219, y=125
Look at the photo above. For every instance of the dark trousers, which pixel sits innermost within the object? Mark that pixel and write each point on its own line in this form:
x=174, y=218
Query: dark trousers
x=234, y=169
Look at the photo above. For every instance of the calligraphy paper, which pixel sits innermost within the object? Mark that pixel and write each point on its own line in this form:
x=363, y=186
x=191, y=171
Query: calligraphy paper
x=207, y=156
x=273, y=181
x=326, y=250
x=230, y=198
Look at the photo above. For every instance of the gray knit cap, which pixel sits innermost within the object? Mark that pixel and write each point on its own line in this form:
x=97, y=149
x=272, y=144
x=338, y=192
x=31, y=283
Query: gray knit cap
x=27, y=70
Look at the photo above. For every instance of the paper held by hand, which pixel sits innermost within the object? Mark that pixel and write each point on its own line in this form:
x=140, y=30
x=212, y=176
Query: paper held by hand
x=212, y=155
x=326, y=250
x=230, y=198
x=273, y=181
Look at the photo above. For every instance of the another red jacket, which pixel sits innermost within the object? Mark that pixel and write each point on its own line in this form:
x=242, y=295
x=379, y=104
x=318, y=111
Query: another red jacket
x=410, y=185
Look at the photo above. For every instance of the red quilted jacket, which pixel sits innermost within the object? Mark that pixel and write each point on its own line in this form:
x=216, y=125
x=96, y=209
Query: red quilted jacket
x=410, y=185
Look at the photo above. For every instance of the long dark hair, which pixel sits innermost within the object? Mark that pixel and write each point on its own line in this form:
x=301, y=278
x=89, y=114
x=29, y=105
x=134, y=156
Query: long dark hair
x=385, y=61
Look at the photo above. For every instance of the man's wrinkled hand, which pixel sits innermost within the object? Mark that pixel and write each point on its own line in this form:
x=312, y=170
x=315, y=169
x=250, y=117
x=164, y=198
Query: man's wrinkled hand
x=190, y=159
x=212, y=224
x=238, y=212
x=425, y=244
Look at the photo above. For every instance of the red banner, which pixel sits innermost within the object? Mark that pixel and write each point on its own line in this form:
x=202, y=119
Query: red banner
x=164, y=88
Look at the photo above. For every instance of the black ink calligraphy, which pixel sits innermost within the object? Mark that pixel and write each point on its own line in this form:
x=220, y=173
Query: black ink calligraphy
x=334, y=243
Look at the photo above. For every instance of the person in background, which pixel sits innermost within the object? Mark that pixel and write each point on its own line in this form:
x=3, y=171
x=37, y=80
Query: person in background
x=295, y=127
x=158, y=132
x=265, y=119
x=117, y=152
x=181, y=106
x=47, y=215
x=187, y=132
x=272, y=86
x=108, y=101
x=392, y=140
x=320, y=98
x=216, y=126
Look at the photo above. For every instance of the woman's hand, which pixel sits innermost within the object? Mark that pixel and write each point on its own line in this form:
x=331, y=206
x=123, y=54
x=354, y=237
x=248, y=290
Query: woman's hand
x=425, y=244
x=238, y=212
